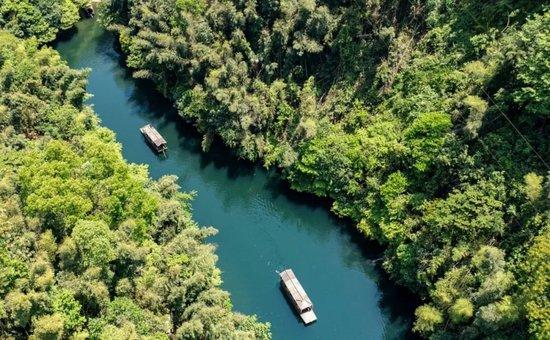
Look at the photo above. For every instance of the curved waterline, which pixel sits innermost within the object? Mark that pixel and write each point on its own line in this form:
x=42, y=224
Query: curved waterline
x=263, y=226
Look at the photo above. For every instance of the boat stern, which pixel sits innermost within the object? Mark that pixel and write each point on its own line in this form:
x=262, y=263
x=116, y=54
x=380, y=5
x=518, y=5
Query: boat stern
x=308, y=317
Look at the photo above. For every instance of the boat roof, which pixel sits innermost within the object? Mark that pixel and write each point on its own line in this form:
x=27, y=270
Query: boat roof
x=153, y=134
x=308, y=317
x=295, y=289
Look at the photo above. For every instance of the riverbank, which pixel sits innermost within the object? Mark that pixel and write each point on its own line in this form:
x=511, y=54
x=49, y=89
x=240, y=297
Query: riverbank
x=263, y=225
x=406, y=116
x=90, y=245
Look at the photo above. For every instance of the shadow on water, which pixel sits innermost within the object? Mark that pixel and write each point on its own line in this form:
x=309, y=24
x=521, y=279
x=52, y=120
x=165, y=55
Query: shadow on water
x=396, y=303
x=157, y=106
x=161, y=156
x=64, y=36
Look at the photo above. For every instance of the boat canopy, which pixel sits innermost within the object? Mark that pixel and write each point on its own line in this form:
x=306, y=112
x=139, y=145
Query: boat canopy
x=296, y=291
x=154, y=137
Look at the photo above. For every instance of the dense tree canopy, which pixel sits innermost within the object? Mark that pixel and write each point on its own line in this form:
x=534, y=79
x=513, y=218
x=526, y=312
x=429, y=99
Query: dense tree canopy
x=42, y=19
x=425, y=121
x=90, y=246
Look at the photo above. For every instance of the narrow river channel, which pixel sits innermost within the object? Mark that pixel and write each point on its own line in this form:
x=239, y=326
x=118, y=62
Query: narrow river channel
x=263, y=227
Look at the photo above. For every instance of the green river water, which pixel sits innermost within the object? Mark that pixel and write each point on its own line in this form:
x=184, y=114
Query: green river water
x=263, y=226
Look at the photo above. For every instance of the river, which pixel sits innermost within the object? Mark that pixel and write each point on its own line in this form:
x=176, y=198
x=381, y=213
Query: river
x=263, y=226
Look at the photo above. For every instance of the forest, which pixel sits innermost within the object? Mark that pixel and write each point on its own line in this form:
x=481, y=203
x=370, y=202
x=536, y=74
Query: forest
x=40, y=19
x=426, y=123
x=90, y=246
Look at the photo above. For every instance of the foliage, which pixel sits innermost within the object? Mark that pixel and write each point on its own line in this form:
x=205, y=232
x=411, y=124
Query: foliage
x=425, y=121
x=42, y=19
x=90, y=246
x=535, y=286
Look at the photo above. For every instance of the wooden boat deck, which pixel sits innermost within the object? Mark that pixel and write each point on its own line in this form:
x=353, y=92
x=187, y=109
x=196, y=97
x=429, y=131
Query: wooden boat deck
x=154, y=138
x=297, y=294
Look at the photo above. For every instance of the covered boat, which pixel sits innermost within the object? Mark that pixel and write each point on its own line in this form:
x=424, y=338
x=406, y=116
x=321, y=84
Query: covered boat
x=298, y=296
x=154, y=138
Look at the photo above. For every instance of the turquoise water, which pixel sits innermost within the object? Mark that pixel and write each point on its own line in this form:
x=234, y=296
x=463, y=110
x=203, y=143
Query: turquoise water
x=263, y=226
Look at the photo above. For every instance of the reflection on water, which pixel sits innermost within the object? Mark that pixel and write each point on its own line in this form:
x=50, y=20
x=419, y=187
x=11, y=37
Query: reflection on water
x=264, y=227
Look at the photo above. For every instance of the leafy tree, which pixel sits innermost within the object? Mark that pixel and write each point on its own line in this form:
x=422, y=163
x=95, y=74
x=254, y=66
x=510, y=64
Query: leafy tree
x=427, y=318
x=533, y=186
x=94, y=243
x=39, y=18
x=48, y=327
x=90, y=246
x=407, y=114
x=65, y=305
x=462, y=310
x=536, y=270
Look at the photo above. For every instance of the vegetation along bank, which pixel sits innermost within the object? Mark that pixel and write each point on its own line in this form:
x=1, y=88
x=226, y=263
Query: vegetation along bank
x=425, y=121
x=90, y=246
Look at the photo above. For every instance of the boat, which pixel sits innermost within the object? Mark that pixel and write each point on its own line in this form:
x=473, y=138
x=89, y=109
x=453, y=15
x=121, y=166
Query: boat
x=296, y=293
x=153, y=137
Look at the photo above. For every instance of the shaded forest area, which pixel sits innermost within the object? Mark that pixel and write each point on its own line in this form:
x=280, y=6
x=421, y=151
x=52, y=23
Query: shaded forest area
x=425, y=121
x=90, y=246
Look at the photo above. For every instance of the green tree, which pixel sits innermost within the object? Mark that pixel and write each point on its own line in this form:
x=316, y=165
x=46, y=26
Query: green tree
x=66, y=306
x=94, y=243
x=39, y=18
x=427, y=319
x=48, y=327
x=90, y=246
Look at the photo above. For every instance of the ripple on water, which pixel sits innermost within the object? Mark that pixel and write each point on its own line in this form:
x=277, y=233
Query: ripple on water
x=263, y=226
